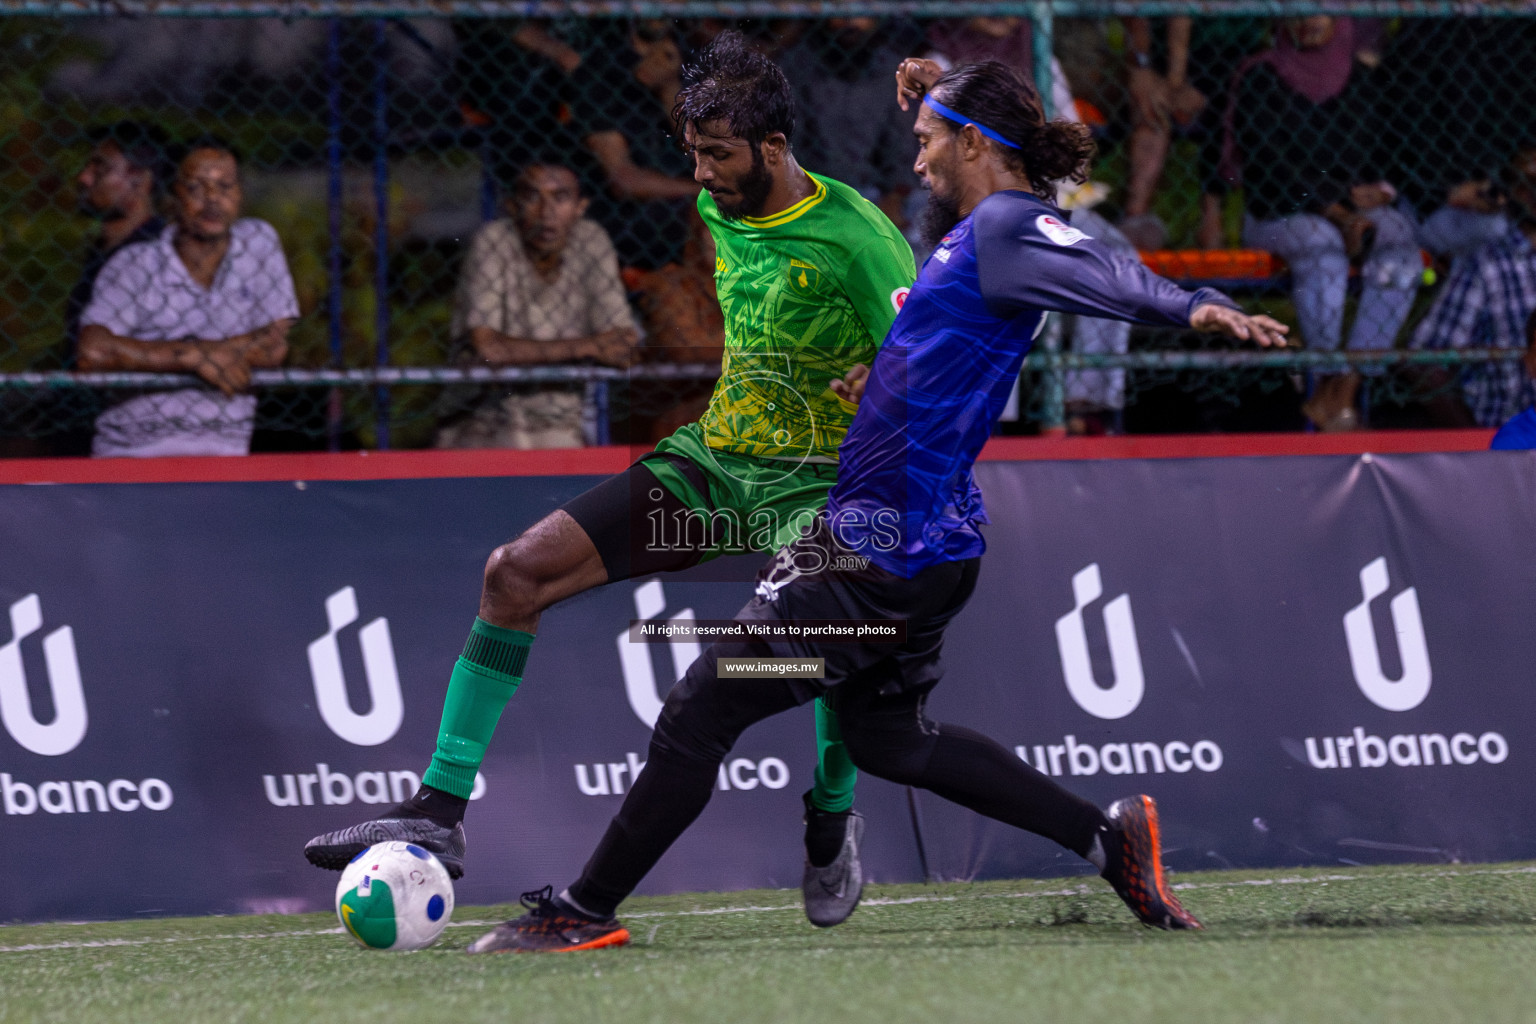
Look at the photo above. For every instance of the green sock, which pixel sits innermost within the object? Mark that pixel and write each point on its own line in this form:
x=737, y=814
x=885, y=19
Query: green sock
x=484, y=678
x=835, y=773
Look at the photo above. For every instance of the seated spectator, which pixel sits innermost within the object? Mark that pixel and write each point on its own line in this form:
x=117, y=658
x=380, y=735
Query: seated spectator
x=539, y=286
x=1473, y=216
x=623, y=113
x=120, y=186
x=516, y=86
x=1096, y=398
x=683, y=324
x=1520, y=430
x=1180, y=88
x=850, y=130
x=1488, y=300
x=210, y=296
x=1303, y=136
x=1458, y=94
x=679, y=307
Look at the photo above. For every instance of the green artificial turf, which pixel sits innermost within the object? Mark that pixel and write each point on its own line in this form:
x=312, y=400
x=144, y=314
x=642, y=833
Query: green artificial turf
x=1412, y=943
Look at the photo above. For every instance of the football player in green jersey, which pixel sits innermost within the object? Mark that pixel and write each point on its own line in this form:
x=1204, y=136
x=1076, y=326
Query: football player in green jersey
x=810, y=276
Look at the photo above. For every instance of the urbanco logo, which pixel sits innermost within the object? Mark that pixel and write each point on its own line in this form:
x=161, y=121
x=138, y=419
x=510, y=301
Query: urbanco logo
x=1119, y=699
x=1408, y=691
x=1124, y=695
x=635, y=659
x=67, y=729
x=388, y=711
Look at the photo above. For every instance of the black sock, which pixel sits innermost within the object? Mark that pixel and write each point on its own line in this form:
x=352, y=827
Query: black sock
x=440, y=808
x=1110, y=849
x=824, y=833
x=662, y=803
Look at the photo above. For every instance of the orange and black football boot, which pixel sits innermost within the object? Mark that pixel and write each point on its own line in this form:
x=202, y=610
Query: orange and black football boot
x=1135, y=866
x=549, y=928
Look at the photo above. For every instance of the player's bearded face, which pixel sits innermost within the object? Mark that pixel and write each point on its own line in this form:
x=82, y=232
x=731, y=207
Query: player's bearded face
x=747, y=195
x=943, y=210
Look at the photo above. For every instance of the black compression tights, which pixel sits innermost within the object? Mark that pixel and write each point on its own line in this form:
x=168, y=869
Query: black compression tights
x=887, y=736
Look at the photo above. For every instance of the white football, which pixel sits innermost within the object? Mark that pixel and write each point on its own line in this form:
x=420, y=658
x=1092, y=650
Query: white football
x=395, y=896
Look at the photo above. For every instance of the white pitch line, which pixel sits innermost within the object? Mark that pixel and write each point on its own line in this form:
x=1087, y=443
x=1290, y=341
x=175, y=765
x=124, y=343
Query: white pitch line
x=99, y=943
x=718, y=911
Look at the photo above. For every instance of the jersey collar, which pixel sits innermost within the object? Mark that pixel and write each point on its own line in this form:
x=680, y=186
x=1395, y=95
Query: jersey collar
x=785, y=216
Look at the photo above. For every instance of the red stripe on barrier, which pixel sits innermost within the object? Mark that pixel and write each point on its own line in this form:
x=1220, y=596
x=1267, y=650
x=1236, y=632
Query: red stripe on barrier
x=606, y=461
x=1207, y=446
x=322, y=466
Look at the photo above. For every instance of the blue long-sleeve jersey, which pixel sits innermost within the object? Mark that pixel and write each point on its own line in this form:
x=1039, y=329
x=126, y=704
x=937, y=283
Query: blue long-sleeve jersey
x=905, y=495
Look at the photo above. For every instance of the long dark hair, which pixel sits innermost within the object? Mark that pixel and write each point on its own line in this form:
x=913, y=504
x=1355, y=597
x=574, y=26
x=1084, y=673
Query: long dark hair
x=993, y=94
x=732, y=83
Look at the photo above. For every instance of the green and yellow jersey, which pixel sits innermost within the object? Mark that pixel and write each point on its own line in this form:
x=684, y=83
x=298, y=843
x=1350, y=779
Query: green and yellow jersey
x=806, y=293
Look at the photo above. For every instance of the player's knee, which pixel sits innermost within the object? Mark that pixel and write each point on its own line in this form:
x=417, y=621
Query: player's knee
x=510, y=583
x=896, y=755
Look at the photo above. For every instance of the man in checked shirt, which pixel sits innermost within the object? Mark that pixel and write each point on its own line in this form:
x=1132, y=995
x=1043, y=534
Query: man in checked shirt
x=211, y=297
x=1488, y=299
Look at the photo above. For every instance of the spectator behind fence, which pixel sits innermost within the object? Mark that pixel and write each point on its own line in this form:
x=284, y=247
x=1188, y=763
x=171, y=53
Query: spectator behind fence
x=1187, y=95
x=850, y=130
x=683, y=324
x=1303, y=136
x=515, y=80
x=120, y=186
x=210, y=296
x=1096, y=398
x=1010, y=41
x=1459, y=90
x=540, y=286
x=1473, y=216
x=1520, y=430
x=1489, y=298
x=623, y=113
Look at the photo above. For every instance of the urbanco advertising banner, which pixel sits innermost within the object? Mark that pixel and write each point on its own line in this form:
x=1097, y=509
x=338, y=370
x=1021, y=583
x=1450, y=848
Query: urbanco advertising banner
x=1305, y=659
x=197, y=678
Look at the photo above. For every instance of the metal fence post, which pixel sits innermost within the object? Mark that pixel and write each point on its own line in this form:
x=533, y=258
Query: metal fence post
x=381, y=221
x=1053, y=414
x=1042, y=22
x=333, y=196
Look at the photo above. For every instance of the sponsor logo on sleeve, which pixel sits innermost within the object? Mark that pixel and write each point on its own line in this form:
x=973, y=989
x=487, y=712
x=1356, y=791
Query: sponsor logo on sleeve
x=1058, y=230
x=899, y=298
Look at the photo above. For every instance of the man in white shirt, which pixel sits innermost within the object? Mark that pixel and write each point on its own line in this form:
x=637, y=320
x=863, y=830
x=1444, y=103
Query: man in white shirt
x=540, y=286
x=211, y=296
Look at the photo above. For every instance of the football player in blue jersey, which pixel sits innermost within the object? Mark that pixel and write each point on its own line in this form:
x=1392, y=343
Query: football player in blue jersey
x=900, y=538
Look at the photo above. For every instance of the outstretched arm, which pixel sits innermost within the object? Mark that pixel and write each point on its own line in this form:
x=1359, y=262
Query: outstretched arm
x=1234, y=323
x=1028, y=257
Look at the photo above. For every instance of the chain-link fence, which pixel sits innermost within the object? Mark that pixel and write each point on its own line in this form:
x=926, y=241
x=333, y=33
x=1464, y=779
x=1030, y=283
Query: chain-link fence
x=299, y=226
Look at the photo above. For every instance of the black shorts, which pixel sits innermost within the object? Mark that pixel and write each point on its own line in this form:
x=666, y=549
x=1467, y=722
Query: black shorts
x=816, y=579
x=620, y=514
